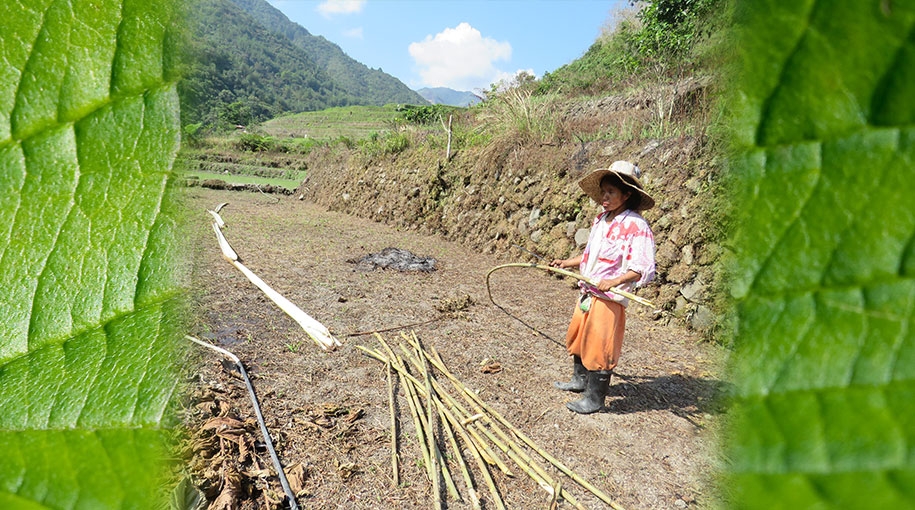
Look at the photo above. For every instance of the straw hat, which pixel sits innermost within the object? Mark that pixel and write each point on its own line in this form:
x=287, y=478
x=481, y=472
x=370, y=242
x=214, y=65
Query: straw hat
x=627, y=172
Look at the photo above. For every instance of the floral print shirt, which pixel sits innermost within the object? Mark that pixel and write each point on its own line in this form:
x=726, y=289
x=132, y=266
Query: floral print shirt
x=616, y=246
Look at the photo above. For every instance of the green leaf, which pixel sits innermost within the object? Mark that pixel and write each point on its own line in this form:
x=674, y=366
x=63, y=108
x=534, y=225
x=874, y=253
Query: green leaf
x=91, y=301
x=824, y=256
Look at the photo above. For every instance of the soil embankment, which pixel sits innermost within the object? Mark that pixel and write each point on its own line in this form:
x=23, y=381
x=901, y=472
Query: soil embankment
x=526, y=193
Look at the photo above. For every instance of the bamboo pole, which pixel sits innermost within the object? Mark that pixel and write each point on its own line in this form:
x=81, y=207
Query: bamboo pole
x=395, y=468
x=510, y=448
x=516, y=453
x=430, y=436
x=620, y=292
x=482, y=464
x=468, y=481
x=474, y=431
x=436, y=360
x=420, y=436
x=456, y=424
x=414, y=390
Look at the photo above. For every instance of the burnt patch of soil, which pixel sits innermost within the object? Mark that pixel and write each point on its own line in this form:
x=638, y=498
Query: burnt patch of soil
x=394, y=258
x=650, y=447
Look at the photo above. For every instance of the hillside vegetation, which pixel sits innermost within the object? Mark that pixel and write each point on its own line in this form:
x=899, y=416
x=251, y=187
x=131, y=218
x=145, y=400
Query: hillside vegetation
x=511, y=175
x=248, y=63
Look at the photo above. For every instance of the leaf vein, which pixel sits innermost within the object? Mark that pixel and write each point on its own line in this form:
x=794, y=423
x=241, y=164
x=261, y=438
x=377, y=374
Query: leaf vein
x=767, y=104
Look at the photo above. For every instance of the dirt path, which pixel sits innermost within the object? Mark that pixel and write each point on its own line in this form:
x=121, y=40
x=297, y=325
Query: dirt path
x=649, y=448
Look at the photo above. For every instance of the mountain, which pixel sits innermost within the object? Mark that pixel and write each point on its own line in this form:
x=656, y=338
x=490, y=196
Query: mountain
x=249, y=63
x=450, y=97
x=356, y=78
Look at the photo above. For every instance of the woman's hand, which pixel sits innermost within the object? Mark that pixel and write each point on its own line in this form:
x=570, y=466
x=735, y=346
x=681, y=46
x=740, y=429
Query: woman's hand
x=630, y=276
x=564, y=263
x=605, y=285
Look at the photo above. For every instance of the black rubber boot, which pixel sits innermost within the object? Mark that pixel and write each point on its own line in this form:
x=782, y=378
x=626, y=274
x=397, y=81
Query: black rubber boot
x=579, y=374
x=596, y=390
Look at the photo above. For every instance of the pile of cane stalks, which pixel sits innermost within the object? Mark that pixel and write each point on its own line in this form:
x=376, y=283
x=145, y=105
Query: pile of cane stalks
x=466, y=419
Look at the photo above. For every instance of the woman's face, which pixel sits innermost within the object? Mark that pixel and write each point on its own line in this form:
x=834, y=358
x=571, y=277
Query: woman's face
x=612, y=198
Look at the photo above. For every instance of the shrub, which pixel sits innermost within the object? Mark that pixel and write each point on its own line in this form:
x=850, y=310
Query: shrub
x=425, y=114
x=250, y=142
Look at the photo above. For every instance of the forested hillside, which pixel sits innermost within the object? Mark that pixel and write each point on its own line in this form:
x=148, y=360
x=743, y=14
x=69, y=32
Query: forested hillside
x=249, y=63
x=373, y=86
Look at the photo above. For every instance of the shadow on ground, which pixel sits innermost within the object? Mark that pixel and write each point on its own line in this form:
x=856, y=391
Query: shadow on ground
x=682, y=395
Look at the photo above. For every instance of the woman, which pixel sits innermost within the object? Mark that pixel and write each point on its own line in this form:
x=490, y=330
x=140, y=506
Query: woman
x=619, y=253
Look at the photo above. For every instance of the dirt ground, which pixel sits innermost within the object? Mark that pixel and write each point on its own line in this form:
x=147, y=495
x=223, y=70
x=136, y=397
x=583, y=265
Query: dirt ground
x=650, y=447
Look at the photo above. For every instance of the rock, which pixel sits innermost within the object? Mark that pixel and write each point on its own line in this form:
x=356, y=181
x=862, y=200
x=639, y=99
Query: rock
x=523, y=228
x=649, y=148
x=681, y=306
x=703, y=320
x=686, y=254
x=570, y=229
x=581, y=237
x=679, y=273
x=667, y=255
x=534, y=216
x=693, y=290
x=346, y=197
x=676, y=235
x=537, y=235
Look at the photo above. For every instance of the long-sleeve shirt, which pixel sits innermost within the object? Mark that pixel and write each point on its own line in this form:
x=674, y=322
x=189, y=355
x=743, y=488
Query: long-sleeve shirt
x=616, y=246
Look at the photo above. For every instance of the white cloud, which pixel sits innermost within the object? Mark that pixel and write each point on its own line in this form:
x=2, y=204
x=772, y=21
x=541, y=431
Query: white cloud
x=354, y=33
x=331, y=7
x=459, y=58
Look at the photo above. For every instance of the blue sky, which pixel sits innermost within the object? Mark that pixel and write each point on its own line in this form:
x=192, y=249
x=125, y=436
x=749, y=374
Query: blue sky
x=460, y=44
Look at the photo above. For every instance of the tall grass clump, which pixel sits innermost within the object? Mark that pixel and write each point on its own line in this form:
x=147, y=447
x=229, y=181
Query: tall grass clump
x=385, y=144
x=516, y=112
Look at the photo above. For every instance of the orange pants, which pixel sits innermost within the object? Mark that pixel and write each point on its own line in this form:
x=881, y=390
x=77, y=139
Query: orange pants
x=597, y=335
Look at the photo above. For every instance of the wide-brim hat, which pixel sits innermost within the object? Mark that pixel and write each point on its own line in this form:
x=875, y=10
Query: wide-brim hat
x=627, y=172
